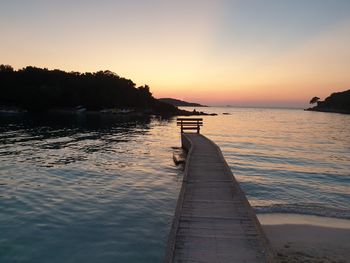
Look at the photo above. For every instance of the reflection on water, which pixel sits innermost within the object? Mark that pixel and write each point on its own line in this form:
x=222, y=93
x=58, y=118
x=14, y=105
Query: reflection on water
x=49, y=140
x=103, y=188
x=288, y=161
x=86, y=189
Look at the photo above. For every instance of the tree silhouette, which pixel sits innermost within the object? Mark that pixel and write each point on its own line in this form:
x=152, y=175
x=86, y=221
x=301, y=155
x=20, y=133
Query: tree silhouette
x=314, y=100
x=40, y=89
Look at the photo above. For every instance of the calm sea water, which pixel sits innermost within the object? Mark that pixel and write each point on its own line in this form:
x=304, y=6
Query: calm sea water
x=104, y=189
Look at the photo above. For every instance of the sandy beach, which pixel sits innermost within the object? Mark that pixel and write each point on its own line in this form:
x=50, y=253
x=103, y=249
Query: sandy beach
x=299, y=238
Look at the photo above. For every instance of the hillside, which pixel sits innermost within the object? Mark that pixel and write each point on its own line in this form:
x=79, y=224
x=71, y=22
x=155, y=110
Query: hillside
x=337, y=102
x=39, y=90
x=181, y=103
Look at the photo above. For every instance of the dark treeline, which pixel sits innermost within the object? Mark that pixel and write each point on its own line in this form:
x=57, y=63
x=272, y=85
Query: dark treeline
x=336, y=102
x=37, y=89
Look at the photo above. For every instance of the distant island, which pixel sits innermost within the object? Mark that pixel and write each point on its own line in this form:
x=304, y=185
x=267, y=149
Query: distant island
x=35, y=89
x=180, y=103
x=338, y=102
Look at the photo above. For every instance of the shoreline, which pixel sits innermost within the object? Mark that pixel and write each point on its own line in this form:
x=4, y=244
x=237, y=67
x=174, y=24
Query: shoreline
x=299, y=219
x=304, y=238
x=104, y=112
x=329, y=110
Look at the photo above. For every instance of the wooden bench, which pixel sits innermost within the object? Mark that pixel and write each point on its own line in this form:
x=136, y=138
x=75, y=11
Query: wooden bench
x=188, y=124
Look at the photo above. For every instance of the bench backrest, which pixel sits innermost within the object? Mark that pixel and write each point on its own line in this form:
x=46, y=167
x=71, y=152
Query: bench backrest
x=188, y=124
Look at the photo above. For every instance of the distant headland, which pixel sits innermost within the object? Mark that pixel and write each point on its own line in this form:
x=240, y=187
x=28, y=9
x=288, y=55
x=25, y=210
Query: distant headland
x=34, y=89
x=338, y=102
x=181, y=103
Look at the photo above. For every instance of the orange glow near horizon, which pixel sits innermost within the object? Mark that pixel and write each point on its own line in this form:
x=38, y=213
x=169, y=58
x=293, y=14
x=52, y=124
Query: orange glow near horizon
x=211, y=52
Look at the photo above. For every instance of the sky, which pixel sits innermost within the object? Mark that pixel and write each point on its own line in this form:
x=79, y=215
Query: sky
x=222, y=52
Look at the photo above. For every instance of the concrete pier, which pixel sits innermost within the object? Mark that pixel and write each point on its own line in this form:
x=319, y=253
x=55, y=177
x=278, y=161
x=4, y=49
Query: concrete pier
x=213, y=221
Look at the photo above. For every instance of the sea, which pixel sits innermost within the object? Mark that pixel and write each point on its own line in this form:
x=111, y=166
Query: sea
x=103, y=188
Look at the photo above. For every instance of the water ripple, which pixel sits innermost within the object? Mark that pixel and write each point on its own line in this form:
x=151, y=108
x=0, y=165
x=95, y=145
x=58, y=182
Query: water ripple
x=104, y=188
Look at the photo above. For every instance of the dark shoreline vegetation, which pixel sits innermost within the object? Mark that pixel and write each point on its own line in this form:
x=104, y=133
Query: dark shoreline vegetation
x=338, y=102
x=39, y=90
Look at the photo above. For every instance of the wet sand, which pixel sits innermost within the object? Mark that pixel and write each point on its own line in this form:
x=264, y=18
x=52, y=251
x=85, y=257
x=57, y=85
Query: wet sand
x=297, y=238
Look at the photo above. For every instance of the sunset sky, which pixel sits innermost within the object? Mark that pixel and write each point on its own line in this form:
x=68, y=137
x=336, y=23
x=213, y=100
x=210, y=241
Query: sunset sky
x=278, y=53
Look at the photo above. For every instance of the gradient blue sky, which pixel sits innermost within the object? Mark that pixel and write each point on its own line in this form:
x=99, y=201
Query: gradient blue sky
x=216, y=52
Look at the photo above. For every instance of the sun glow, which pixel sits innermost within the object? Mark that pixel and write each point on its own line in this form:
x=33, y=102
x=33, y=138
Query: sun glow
x=214, y=52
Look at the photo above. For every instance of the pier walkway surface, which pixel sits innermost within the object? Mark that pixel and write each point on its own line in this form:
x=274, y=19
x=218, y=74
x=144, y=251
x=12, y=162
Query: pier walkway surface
x=213, y=220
